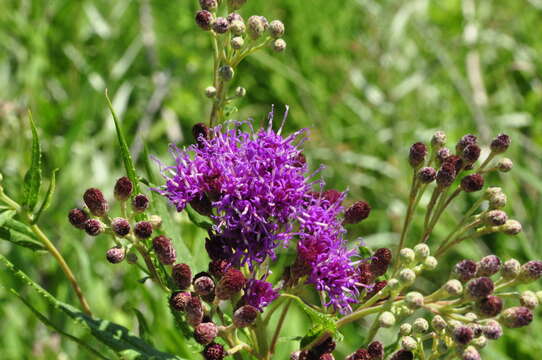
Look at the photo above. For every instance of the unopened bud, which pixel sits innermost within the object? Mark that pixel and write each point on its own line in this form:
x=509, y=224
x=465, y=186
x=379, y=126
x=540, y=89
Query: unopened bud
x=182, y=276
x=210, y=92
x=143, y=229
x=245, y=316
x=376, y=350
x=510, y=269
x=178, y=300
x=480, y=288
x=123, y=188
x=256, y=26
x=357, y=212
x=236, y=4
x=472, y=183
x=164, y=250
x=479, y=342
x=409, y=343
x=470, y=353
x=209, y=5
x=488, y=266
x=203, y=285
x=465, y=141
x=194, y=311
x=407, y=256
x=421, y=251
x=427, y=175
x=276, y=29
x=414, y=300
x=430, y=263
x=446, y=175
x=214, y=351
x=238, y=28
x=512, y=227
x=492, y=330
x=115, y=255
x=407, y=277
x=463, y=335
x=438, y=323
x=495, y=218
x=453, y=287
x=94, y=227
x=420, y=326
x=442, y=155
x=205, y=333
x=204, y=19
x=465, y=270
x=279, y=45
x=505, y=165
x=438, y=140
x=240, y=91
x=418, y=152
x=516, y=317
x=95, y=201
x=471, y=154
x=221, y=25
x=140, y=203
x=500, y=144
x=529, y=299
x=78, y=218
x=120, y=226
x=530, y=271
x=490, y=306
x=156, y=221
x=226, y=72
x=231, y=283
x=237, y=42
x=402, y=355
x=405, y=329
x=386, y=319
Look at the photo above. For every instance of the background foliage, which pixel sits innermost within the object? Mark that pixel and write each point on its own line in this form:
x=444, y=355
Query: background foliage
x=367, y=77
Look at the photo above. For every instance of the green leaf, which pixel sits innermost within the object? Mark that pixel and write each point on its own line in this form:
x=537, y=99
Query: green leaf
x=18, y=233
x=116, y=337
x=124, y=150
x=6, y=215
x=48, y=197
x=198, y=219
x=32, y=179
x=144, y=330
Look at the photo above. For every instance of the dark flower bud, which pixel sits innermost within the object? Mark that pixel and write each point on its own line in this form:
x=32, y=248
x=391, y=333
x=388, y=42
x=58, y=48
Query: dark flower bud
x=427, y=175
x=120, y=226
x=357, y=212
x=530, y=271
x=379, y=285
x=418, y=151
x=205, y=333
x=495, y=218
x=78, y=218
x=492, y=330
x=472, y=183
x=360, y=354
x=234, y=17
x=221, y=25
x=209, y=5
x=202, y=205
x=465, y=270
x=446, y=175
x=143, y=229
x=326, y=346
x=214, y=351
x=326, y=356
x=480, y=288
x=226, y=72
x=178, y=300
x=488, y=266
x=140, y=203
x=256, y=26
x=182, y=276
x=465, y=141
x=94, y=227
x=123, y=188
x=231, y=283
x=204, y=19
x=217, y=268
x=236, y=4
x=516, y=317
x=164, y=250
x=471, y=153
x=332, y=196
x=442, y=155
x=115, y=255
x=279, y=45
x=456, y=161
x=245, y=316
x=402, y=355
x=194, y=311
x=380, y=261
x=95, y=201
x=203, y=285
x=276, y=29
x=376, y=350
x=463, y=335
x=365, y=276
x=500, y=144
x=200, y=130
x=490, y=306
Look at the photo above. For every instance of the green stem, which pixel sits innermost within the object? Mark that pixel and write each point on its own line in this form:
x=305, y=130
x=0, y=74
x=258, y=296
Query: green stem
x=408, y=217
x=279, y=328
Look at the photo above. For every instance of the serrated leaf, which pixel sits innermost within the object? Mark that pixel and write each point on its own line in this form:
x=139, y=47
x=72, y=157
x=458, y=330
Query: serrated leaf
x=115, y=336
x=6, y=215
x=48, y=197
x=32, y=179
x=20, y=239
x=124, y=149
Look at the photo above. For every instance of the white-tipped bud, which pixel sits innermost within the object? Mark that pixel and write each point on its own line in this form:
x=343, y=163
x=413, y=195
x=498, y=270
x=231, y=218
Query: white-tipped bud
x=414, y=300
x=237, y=42
x=210, y=92
x=420, y=326
x=495, y=218
x=430, y=263
x=226, y=72
x=409, y=343
x=237, y=27
x=480, y=342
x=276, y=29
x=512, y=227
x=156, y=221
x=386, y=319
x=453, y=287
x=279, y=45
x=438, y=323
x=510, y=269
x=405, y=329
x=421, y=252
x=529, y=299
x=407, y=256
x=438, y=140
x=407, y=277
x=505, y=165
x=240, y=91
x=393, y=284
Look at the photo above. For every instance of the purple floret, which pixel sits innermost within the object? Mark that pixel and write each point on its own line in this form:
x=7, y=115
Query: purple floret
x=259, y=293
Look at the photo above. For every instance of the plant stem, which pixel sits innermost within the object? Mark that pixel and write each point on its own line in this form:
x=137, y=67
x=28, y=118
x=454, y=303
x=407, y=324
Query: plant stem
x=279, y=328
x=408, y=217
x=50, y=247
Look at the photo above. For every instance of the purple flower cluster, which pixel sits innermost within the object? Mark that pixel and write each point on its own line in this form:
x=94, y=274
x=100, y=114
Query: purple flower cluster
x=259, y=293
x=259, y=189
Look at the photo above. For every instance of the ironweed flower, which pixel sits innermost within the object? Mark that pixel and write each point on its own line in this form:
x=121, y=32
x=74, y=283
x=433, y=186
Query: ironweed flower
x=95, y=201
x=259, y=293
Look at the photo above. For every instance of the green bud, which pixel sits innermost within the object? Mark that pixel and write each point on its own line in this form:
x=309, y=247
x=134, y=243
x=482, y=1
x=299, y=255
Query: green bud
x=529, y=299
x=279, y=45
x=505, y=165
x=240, y=91
x=414, y=300
x=421, y=252
x=393, y=284
x=453, y=287
x=226, y=72
x=420, y=326
x=407, y=277
x=386, y=319
x=238, y=27
x=480, y=342
x=237, y=42
x=407, y=256
x=256, y=26
x=409, y=343
x=405, y=329
x=438, y=323
x=430, y=263
x=510, y=269
x=210, y=92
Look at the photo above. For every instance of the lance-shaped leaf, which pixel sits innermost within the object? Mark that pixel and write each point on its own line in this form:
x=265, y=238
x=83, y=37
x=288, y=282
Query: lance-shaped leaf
x=48, y=197
x=32, y=179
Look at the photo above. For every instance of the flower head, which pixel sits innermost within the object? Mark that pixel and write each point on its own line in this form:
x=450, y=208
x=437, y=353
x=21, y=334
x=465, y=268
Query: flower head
x=259, y=293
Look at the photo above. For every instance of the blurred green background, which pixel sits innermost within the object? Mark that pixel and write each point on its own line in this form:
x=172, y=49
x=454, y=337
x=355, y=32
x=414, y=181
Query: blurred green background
x=367, y=77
